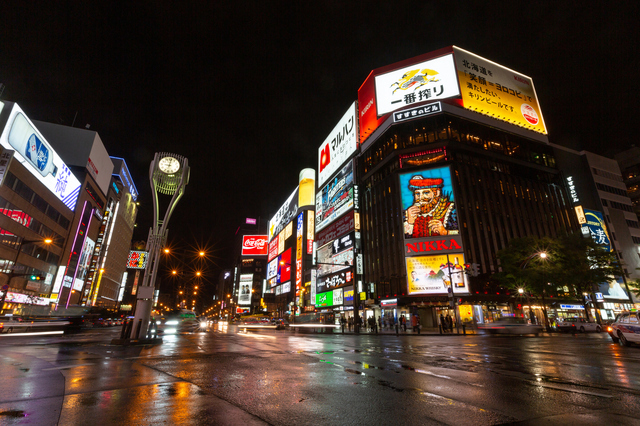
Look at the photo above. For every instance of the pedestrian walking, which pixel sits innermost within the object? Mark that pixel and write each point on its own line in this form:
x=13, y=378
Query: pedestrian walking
x=350, y=323
x=380, y=323
x=443, y=324
x=403, y=323
x=414, y=323
x=449, y=323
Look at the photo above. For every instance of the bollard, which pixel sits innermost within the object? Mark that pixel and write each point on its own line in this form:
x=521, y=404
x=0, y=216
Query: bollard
x=123, y=332
x=440, y=328
x=464, y=329
x=137, y=335
x=396, y=329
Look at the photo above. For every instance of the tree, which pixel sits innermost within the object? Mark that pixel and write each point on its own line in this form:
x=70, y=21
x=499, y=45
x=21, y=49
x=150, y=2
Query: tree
x=585, y=264
x=527, y=264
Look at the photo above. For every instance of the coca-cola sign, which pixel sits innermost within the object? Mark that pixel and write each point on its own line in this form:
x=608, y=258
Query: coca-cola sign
x=254, y=245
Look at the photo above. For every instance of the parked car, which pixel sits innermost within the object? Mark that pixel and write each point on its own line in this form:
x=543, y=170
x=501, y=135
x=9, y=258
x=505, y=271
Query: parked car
x=510, y=325
x=577, y=324
x=625, y=329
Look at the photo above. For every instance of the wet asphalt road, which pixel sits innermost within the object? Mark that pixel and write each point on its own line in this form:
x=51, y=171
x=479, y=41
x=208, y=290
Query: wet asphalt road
x=286, y=378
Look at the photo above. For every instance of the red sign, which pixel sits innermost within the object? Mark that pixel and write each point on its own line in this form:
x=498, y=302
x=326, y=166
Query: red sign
x=336, y=229
x=273, y=248
x=254, y=245
x=448, y=244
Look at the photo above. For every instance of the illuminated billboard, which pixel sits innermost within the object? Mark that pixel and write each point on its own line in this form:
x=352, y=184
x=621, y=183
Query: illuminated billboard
x=137, y=259
x=421, y=82
x=433, y=275
x=335, y=198
x=471, y=81
x=244, y=292
x=596, y=227
x=333, y=281
x=341, y=144
x=284, y=267
x=37, y=156
x=497, y=91
x=428, y=203
x=254, y=245
x=285, y=214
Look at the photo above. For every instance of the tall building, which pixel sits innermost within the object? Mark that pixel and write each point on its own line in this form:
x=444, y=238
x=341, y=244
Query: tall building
x=629, y=162
x=455, y=161
x=110, y=194
x=38, y=201
x=605, y=213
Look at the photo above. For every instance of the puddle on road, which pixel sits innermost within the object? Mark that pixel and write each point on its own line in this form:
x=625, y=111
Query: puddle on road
x=13, y=413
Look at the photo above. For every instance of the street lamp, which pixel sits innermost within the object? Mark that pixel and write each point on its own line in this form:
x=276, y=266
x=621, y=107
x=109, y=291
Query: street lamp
x=12, y=274
x=542, y=255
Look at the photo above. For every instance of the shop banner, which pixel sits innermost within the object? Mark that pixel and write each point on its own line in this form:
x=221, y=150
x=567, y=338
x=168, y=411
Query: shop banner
x=340, y=227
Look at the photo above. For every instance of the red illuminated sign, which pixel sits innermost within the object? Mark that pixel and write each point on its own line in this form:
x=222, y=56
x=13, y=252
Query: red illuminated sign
x=440, y=245
x=273, y=248
x=137, y=259
x=284, y=267
x=254, y=245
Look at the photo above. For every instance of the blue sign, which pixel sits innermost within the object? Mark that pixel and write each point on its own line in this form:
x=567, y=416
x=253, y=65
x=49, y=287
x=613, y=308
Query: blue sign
x=597, y=228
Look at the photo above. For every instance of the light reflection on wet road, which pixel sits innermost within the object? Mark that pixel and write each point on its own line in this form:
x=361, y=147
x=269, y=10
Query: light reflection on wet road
x=280, y=377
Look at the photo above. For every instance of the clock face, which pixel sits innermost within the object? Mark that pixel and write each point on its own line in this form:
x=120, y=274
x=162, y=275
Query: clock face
x=169, y=165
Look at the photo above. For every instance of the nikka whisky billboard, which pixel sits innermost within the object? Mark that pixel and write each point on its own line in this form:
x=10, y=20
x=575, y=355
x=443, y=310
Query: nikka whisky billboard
x=434, y=256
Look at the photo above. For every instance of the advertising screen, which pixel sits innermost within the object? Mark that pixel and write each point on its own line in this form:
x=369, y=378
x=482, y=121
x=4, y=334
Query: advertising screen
x=433, y=275
x=272, y=269
x=335, y=198
x=428, y=203
x=244, y=292
x=254, y=245
x=137, y=259
x=336, y=149
x=425, y=81
x=497, y=91
x=83, y=263
x=329, y=263
x=36, y=154
x=339, y=227
x=614, y=289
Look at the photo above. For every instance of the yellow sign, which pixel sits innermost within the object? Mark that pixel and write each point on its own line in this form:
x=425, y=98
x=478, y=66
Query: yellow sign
x=497, y=91
x=582, y=219
x=432, y=274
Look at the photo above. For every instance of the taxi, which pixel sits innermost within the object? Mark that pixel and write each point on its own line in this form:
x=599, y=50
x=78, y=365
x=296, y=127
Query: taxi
x=625, y=329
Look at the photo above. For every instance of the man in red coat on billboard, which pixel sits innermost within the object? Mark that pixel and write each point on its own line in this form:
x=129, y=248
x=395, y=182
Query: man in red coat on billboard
x=432, y=213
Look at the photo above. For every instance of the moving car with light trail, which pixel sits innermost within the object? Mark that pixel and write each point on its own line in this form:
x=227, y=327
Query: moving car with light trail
x=510, y=325
x=578, y=324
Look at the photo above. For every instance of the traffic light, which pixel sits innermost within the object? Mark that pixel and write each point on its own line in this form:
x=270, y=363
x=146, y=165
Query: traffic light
x=467, y=268
x=36, y=278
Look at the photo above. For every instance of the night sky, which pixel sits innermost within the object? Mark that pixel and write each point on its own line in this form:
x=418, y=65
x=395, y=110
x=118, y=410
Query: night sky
x=248, y=91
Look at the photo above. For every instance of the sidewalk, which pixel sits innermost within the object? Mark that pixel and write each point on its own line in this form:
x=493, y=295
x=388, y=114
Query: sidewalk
x=385, y=331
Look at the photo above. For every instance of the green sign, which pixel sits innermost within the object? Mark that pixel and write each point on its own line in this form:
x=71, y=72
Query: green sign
x=324, y=299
